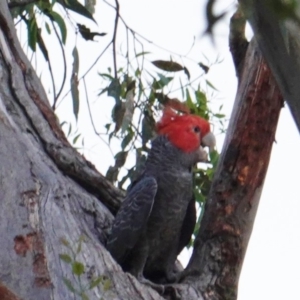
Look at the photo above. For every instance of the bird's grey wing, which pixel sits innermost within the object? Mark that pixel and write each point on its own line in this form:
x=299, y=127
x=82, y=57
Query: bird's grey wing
x=188, y=225
x=132, y=218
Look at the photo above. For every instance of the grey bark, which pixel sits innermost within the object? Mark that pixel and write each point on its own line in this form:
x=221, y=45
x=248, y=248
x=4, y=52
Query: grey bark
x=50, y=192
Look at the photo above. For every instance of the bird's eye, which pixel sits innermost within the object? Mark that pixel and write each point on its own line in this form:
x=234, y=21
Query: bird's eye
x=197, y=129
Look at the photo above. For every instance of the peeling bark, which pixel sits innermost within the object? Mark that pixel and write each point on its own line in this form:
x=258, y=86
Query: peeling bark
x=235, y=192
x=279, y=41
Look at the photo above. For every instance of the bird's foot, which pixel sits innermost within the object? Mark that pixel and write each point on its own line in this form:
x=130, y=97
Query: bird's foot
x=160, y=288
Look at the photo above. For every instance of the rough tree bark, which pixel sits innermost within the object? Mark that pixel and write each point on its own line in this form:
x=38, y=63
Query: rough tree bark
x=48, y=192
x=235, y=192
x=279, y=41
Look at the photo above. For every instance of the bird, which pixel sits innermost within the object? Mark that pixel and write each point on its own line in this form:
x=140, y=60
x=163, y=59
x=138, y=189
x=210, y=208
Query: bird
x=158, y=215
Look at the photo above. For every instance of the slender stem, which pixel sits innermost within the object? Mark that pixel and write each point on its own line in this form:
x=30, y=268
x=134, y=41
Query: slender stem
x=114, y=38
x=64, y=67
x=92, y=120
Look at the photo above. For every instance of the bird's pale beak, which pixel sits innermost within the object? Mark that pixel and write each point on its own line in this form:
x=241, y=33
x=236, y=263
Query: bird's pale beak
x=209, y=140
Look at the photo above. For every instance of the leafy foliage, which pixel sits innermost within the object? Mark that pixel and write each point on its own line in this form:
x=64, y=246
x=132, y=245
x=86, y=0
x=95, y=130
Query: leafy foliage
x=80, y=272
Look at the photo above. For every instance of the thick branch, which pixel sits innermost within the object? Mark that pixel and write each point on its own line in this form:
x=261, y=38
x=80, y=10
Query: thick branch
x=231, y=206
x=279, y=42
x=37, y=109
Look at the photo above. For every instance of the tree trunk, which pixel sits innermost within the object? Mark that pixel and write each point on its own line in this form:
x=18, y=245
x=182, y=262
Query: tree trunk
x=231, y=206
x=279, y=40
x=51, y=196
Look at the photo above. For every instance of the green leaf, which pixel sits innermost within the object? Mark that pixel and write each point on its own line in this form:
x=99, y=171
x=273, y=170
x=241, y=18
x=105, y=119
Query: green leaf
x=214, y=158
x=114, y=89
x=220, y=116
x=120, y=158
x=32, y=31
x=69, y=285
x=106, y=75
x=84, y=296
x=74, y=83
x=211, y=85
x=95, y=282
x=187, y=73
x=201, y=103
x=70, y=130
x=201, y=97
x=142, y=53
x=43, y=5
x=189, y=102
x=107, y=285
x=42, y=46
x=204, y=67
x=77, y=268
x=107, y=127
x=63, y=123
x=118, y=114
x=169, y=66
x=64, y=242
x=55, y=17
x=47, y=28
x=164, y=80
x=199, y=196
x=112, y=174
x=79, y=246
x=127, y=139
x=102, y=92
x=65, y=257
x=148, y=127
x=113, y=171
x=77, y=7
x=75, y=139
x=129, y=108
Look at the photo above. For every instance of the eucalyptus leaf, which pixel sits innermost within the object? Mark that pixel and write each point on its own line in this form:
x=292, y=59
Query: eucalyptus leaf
x=69, y=285
x=32, y=31
x=77, y=7
x=65, y=257
x=57, y=18
x=74, y=82
x=169, y=66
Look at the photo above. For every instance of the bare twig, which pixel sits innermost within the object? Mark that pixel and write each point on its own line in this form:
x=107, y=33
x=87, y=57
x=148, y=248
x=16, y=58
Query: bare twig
x=114, y=38
x=92, y=120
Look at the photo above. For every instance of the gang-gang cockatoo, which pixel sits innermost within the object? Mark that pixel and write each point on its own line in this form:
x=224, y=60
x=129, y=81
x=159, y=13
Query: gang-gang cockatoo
x=157, y=218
